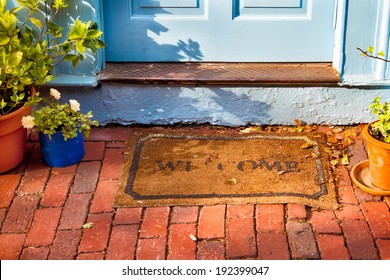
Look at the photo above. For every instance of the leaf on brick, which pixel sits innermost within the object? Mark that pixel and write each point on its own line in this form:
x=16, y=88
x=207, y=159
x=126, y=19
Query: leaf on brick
x=88, y=225
x=193, y=237
x=299, y=126
x=251, y=129
x=345, y=159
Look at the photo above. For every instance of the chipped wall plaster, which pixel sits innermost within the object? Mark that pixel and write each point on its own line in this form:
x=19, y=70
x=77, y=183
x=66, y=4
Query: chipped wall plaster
x=230, y=106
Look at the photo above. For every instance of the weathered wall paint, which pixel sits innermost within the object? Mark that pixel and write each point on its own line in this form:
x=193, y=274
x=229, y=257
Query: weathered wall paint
x=138, y=104
x=366, y=24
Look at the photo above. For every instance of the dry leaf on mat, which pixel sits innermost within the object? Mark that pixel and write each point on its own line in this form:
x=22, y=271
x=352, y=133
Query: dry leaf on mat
x=307, y=145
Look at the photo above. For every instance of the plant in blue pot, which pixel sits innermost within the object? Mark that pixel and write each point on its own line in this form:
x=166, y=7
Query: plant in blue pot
x=61, y=129
x=32, y=44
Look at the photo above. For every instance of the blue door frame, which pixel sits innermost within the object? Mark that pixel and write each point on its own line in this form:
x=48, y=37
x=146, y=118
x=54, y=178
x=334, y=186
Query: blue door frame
x=358, y=24
x=219, y=30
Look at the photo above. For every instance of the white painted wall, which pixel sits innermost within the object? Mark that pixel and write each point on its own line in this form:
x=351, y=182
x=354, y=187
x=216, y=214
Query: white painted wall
x=137, y=104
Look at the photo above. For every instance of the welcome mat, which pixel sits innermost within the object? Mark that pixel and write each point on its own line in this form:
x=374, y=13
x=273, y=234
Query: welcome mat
x=190, y=167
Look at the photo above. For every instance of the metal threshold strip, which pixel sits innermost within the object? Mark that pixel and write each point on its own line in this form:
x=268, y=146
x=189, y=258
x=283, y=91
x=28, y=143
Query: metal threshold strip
x=234, y=74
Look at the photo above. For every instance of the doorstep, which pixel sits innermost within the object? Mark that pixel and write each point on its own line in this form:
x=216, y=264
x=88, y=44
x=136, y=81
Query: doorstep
x=234, y=74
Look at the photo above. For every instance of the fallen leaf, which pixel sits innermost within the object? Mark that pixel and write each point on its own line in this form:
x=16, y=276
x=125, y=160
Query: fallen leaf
x=347, y=142
x=231, y=182
x=313, y=155
x=348, y=137
x=193, y=237
x=345, y=159
x=291, y=129
x=331, y=138
x=299, y=126
x=310, y=128
x=337, y=130
x=334, y=162
x=251, y=129
x=88, y=225
x=351, y=132
x=307, y=145
x=336, y=154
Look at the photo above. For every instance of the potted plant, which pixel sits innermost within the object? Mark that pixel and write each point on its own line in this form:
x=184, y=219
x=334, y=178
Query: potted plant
x=377, y=138
x=61, y=129
x=373, y=175
x=31, y=45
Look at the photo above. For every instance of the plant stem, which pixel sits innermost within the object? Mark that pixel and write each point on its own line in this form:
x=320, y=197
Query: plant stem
x=372, y=56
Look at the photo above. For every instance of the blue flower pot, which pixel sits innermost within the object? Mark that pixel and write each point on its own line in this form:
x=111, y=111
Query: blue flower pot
x=60, y=153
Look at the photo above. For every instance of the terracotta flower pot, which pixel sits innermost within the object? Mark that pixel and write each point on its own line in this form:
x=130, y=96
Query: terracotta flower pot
x=379, y=160
x=13, y=139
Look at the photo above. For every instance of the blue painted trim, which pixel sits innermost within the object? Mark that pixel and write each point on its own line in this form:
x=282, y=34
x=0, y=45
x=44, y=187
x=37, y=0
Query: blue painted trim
x=362, y=25
x=85, y=74
x=366, y=24
x=74, y=80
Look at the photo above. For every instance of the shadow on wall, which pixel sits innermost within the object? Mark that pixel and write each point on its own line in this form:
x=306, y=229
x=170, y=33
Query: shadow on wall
x=137, y=37
x=137, y=104
x=162, y=104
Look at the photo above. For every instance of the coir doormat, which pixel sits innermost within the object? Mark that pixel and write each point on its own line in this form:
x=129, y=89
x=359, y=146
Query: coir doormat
x=168, y=167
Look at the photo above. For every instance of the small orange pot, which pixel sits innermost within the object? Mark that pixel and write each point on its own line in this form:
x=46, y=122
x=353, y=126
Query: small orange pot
x=379, y=159
x=13, y=138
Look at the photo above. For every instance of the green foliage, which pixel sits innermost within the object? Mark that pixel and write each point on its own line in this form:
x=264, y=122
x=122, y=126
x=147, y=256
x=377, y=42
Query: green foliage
x=370, y=52
x=30, y=48
x=381, y=128
x=61, y=117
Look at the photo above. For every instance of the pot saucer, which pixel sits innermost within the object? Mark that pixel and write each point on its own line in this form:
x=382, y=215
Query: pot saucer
x=360, y=175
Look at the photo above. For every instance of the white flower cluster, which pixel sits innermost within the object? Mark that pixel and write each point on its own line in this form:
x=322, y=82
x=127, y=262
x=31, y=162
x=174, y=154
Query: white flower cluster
x=74, y=105
x=28, y=122
x=55, y=93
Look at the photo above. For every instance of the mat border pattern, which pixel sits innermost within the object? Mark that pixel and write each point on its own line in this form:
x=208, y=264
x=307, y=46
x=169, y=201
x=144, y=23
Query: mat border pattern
x=138, y=149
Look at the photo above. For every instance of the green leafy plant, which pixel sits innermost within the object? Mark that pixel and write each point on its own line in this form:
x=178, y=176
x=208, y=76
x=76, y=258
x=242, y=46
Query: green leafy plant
x=381, y=128
x=32, y=44
x=55, y=116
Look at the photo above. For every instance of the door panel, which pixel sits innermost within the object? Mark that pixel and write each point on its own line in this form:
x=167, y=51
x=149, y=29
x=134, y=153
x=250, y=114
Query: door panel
x=219, y=30
x=272, y=3
x=167, y=3
x=163, y=8
x=273, y=10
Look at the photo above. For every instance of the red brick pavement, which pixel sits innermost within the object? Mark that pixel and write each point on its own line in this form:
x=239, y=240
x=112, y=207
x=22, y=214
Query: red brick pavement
x=43, y=210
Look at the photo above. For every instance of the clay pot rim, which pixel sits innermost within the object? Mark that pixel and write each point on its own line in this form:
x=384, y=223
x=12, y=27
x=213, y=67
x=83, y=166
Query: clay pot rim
x=14, y=113
x=367, y=136
x=18, y=111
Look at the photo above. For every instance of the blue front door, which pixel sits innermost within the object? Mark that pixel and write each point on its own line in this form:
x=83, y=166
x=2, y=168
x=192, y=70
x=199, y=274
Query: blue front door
x=219, y=30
